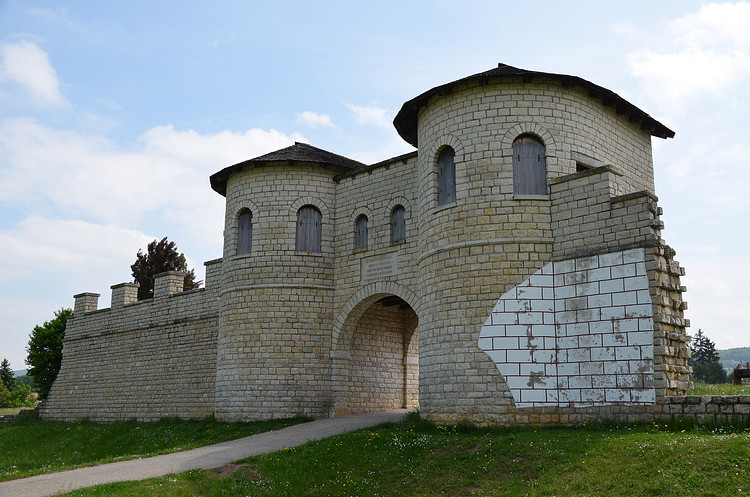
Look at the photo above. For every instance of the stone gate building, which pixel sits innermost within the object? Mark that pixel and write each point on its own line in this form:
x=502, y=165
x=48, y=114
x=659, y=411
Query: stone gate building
x=511, y=270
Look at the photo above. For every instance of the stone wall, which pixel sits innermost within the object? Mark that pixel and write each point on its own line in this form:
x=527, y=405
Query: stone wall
x=139, y=360
x=717, y=409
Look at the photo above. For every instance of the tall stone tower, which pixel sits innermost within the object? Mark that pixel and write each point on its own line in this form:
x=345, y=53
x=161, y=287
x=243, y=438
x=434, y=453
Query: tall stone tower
x=277, y=286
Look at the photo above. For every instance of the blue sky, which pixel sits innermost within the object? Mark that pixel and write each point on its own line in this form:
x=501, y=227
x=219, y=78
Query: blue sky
x=114, y=114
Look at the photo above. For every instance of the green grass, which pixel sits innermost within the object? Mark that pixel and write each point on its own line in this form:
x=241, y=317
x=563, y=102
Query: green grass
x=416, y=458
x=30, y=446
x=12, y=410
x=719, y=389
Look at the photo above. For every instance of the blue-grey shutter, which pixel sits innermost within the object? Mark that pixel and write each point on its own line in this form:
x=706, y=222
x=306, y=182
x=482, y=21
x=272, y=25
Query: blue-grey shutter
x=446, y=176
x=360, y=232
x=398, y=224
x=529, y=166
x=309, y=226
x=245, y=232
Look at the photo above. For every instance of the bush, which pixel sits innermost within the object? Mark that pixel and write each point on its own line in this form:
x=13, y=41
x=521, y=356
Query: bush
x=21, y=397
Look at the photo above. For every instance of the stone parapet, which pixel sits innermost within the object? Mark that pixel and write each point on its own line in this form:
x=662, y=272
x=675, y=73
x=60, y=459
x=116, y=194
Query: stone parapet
x=123, y=294
x=85, y=302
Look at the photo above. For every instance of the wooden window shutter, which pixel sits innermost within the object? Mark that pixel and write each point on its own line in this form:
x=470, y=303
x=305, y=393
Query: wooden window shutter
x=245, y=232
x=529, y=166
x=309, y=227
x=398, y=224
x=446, y=176
x=360, y=232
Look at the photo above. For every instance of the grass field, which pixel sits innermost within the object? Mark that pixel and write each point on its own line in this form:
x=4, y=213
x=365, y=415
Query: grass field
x=418, y=458
x=30, y=446
x=11, y=410
x=719, y=389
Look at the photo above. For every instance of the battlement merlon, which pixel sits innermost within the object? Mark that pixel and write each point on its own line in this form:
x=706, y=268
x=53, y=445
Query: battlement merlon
x=127, y=293
x=85, y=302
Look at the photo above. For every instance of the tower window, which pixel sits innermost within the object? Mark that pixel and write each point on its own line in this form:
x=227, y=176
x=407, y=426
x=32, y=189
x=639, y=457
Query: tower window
x=398, y=224
x=529, y=166
x=360, y=232
x=446, y=176
x=244, y=232
x=309, y=227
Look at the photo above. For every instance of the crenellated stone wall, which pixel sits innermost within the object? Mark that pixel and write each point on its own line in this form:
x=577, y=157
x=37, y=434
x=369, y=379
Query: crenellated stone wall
x=141, y=360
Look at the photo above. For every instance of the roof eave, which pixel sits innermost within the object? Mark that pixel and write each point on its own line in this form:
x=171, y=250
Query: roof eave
x=405, y=121
x=219, y=180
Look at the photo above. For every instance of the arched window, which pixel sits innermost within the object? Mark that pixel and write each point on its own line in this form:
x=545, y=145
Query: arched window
x=244, y=232
x=446, y=176
x=309, y=226
x=398, y=224
x=360, y=232
x=529, y=166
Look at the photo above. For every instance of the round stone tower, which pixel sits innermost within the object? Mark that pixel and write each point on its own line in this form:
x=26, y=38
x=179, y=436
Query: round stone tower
x=277, y=286
x=489, y=147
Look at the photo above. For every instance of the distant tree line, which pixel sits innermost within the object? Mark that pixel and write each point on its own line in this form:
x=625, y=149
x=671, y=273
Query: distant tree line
x=705, y=360
x=13, y=393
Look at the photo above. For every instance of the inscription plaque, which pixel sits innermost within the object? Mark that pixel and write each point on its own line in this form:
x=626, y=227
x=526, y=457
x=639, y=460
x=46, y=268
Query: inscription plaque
x=380, y=266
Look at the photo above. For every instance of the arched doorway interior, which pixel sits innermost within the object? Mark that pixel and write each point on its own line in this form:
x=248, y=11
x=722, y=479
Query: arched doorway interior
x=379, y=366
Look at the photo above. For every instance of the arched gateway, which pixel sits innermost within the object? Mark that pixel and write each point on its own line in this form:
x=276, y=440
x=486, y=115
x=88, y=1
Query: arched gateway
x=510, y=270
x=375, y=356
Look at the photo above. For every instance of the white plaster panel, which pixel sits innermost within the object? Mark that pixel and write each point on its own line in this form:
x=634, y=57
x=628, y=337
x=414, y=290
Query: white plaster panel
x=611, y=286
x=611, y=259
x=506, y=343
x=636, y=283
x=625, y=298
x=593, y=314
x=573, y=329
x=599, y=274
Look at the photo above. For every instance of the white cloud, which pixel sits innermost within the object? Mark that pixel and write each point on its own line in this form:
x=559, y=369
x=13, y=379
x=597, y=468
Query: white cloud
x=213, y=151
x=314, y=120
x=89, y=176
x=712, y=298
x=53, y=16
x=28, y=65
x=216, y=43
x=680, y=75
x=55, y=247
x=18, y=316
x=372, y=115
x=715, y=24
x=705, y=52
x=627, y=31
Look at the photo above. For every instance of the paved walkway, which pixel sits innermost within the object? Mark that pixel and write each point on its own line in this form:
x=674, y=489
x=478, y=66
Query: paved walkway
x=210, y=457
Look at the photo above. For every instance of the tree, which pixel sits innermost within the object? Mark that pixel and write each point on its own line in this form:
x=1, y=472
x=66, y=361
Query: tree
x=45, y=351
x=6, y=375
x=4, y=396
x=26, y=380
x=705, y=360
x=160, y=257
x=21, y=397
